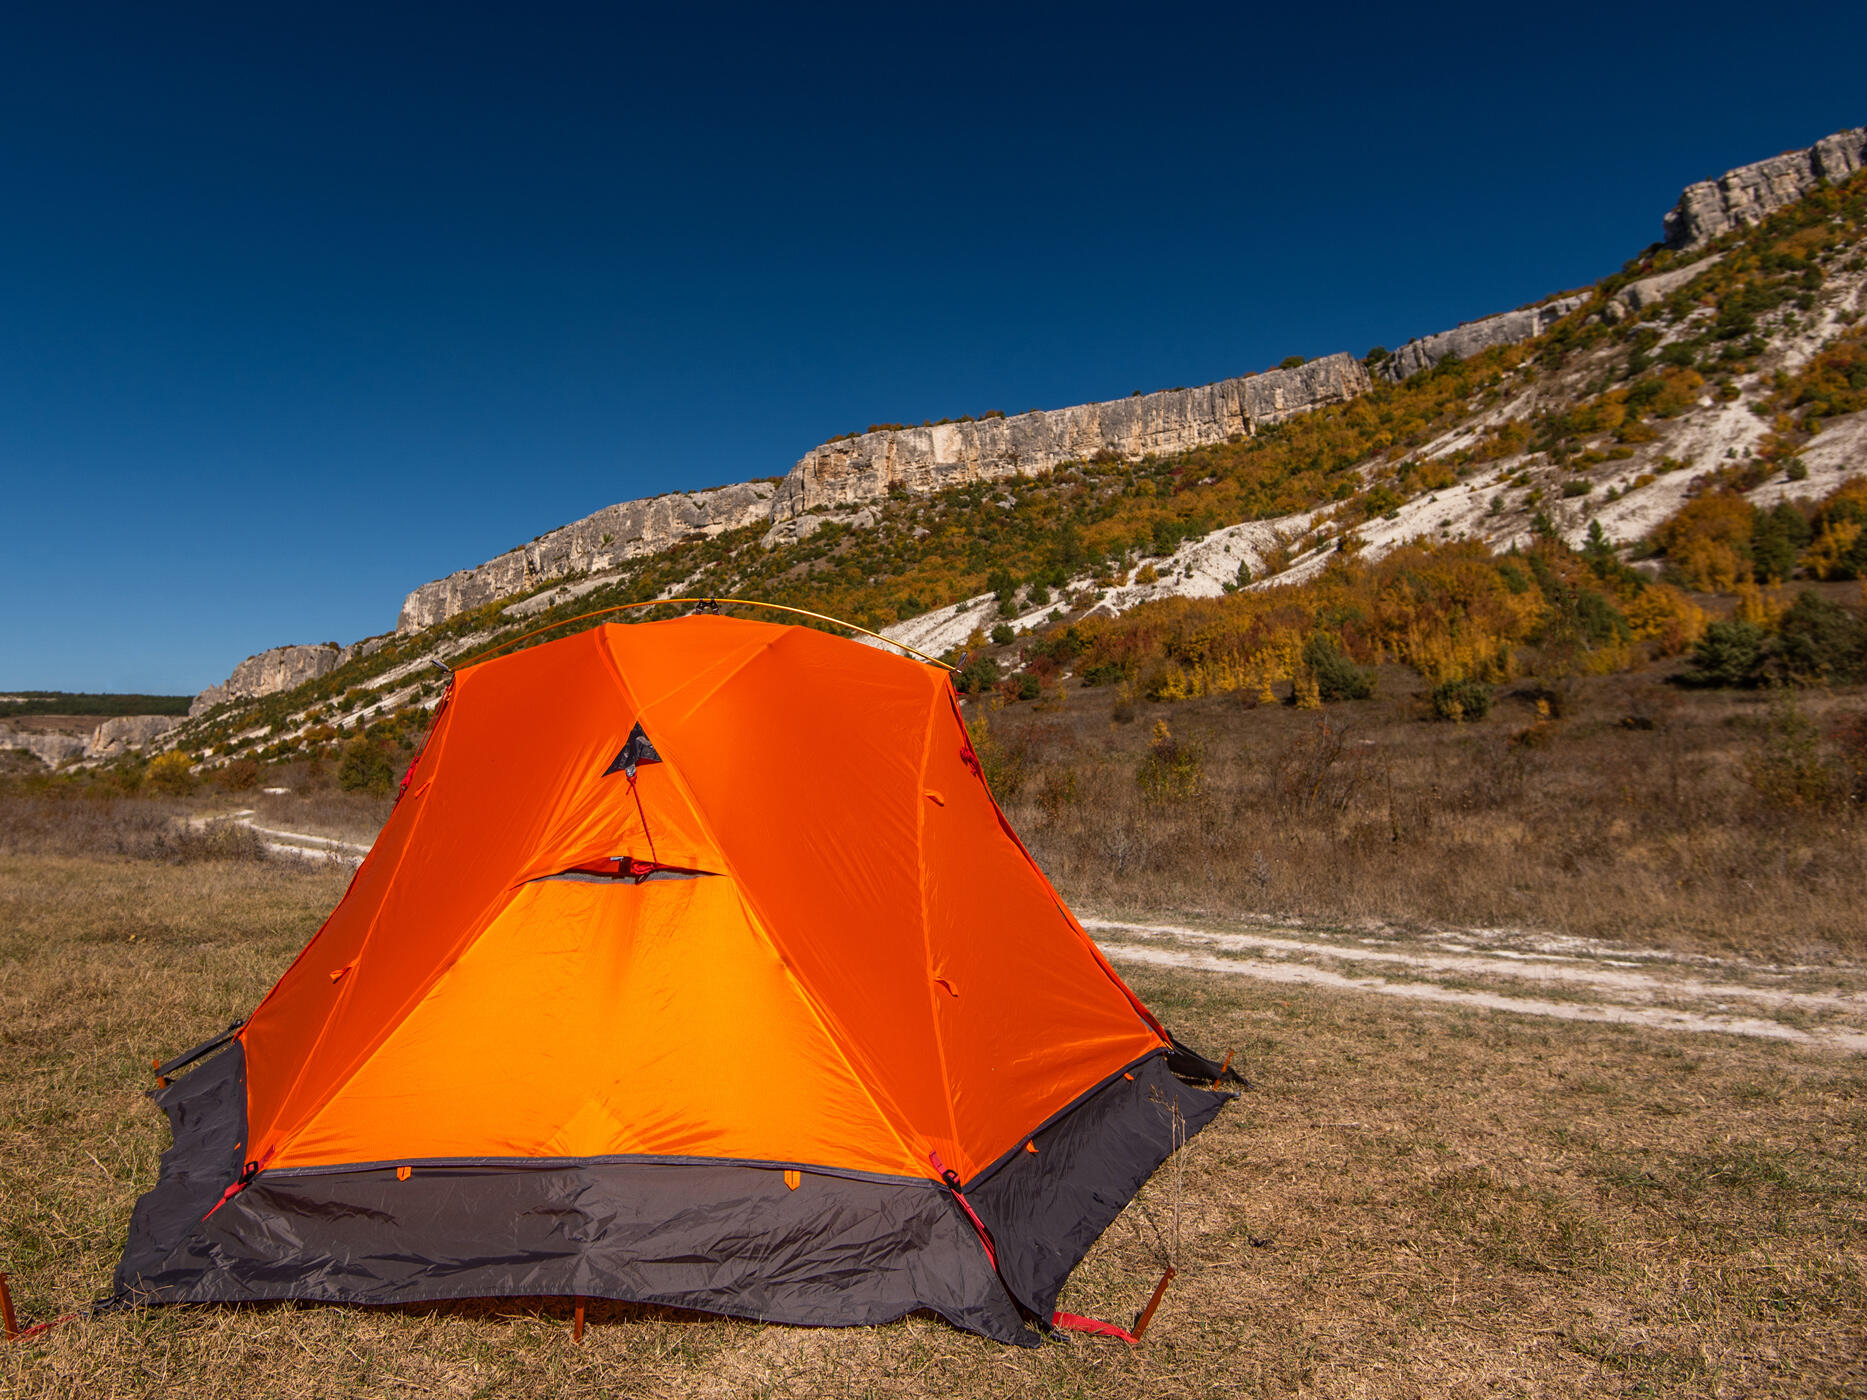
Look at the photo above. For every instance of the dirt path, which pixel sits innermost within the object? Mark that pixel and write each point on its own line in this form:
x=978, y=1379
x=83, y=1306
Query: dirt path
x=299, y=845
x=1562, y=978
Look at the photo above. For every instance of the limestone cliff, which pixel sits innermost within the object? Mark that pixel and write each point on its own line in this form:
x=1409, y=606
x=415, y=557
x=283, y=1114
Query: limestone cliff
x=852, y=471
x=118, y=736
x=1749, y=193
x=50, y=747
x=1467, y=340
x=278, y=669
x=610, y=537
x=861, y=468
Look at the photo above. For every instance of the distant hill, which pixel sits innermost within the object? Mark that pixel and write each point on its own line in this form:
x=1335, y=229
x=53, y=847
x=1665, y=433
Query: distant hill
x=18, y=703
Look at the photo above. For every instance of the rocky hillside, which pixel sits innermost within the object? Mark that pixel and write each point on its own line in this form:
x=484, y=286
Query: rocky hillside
x=1602, y=410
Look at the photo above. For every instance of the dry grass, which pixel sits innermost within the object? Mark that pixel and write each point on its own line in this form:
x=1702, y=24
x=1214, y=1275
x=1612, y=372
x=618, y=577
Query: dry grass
x=1412, y=1202
x=1631, y=817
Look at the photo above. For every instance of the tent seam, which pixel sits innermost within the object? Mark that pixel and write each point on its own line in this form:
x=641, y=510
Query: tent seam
x=343, y=992
x=920, y=866
x=828, y=1025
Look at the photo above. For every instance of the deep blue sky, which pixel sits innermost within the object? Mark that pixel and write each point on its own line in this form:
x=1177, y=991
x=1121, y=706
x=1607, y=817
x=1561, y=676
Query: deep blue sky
x=303, y=306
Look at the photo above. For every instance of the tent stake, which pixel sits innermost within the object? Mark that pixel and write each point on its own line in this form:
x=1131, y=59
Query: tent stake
x=576, y=1331
x=6, y=1310
x=1147, y=1313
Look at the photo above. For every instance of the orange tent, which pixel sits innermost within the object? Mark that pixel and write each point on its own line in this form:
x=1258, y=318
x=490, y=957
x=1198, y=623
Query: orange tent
x=696, y=965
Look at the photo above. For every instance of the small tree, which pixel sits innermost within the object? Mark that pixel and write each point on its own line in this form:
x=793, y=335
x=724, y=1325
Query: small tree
x=1337, y=678
x=365, y=767
x=1171, y=769
x=171, y=774
x=1461, y=700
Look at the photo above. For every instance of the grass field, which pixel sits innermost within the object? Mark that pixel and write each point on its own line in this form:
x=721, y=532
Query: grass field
x=1412, y=1201
x=1726, y=822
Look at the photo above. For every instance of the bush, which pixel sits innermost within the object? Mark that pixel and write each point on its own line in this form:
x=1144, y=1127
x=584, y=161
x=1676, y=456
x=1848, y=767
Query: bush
x=1731, y=653
x=1337, y=678
x=238, y=776
x=1819, y=641
x=1461, y=700
x=1788, y=768
x=1171, y=770
x=1029, y=687
x=976, y=676
x=1779, y=537
x=170, y=774
x=1002, y=635
x=365, y=767
x=1003, y=768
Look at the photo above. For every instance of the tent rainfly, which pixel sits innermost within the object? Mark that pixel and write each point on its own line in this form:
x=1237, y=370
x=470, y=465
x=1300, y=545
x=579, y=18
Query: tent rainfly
x=695, y=966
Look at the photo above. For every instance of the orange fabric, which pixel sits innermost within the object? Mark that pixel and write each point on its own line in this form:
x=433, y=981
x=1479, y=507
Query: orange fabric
x=875, y=953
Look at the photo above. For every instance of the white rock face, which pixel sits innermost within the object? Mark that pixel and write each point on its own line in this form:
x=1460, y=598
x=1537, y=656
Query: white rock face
x=271, y=671
x=601, y=541
x=1748, y=194
x=50, y=749
x=118, y=736
x=864, y=467
x=1467, y=340
x=1651, y=291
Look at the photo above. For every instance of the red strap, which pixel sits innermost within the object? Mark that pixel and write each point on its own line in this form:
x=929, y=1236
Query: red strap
x=39, y=1327
x=1071, y=1322
x=952, y=1184
x=241, y=1182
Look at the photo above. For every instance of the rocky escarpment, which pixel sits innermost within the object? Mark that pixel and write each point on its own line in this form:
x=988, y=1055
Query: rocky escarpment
x=115, y=737
x=50, y=747
x=57, y=742
x=1750, y=192
x=1506, y=328
x=612, y=536
x=846, y=473
x=857, y=469
x=281, y=668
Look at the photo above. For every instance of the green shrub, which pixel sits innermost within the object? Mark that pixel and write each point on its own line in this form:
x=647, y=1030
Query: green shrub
x=1002, y=635
x=977, y=676
x=1337, y=678
x=1819, y=641
x=1777, y=538
x=365, y=767
x=1731, y=653
x=1029, y=687
x=1461, y=700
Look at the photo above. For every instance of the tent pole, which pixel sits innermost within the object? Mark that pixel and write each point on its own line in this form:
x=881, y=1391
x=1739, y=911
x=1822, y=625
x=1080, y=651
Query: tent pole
x=6, y=1310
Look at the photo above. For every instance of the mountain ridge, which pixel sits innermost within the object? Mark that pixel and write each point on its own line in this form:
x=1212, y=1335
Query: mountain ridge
x=1510, y=435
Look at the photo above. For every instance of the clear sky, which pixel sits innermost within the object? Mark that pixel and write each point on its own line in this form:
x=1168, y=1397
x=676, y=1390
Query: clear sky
x=301, y=306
